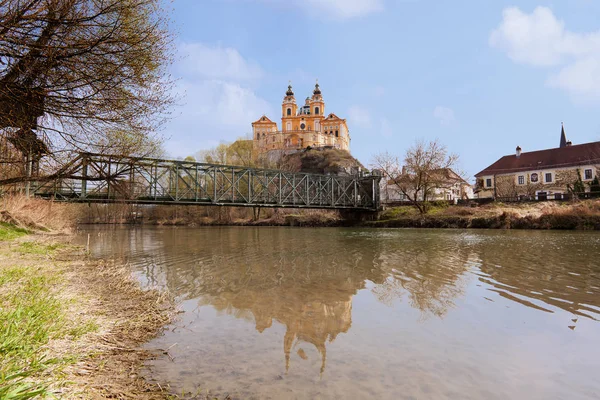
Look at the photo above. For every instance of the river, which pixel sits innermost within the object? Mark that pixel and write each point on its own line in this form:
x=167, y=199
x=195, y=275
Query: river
x=342, y=313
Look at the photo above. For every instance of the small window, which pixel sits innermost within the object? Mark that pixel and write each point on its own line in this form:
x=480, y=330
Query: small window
x=587, y=174
x=289, y=111
x=302, y=126
x=521, y=180
x=337, y=133
x=534, y=178
x=488, y=182
x=548, y=177
x=317, y=110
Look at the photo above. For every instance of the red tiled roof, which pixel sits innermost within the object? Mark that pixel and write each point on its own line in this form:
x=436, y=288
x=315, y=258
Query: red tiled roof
x=448, y=174
x=570, y=156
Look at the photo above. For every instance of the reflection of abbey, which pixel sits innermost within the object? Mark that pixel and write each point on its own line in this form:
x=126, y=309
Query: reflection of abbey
x=301, y=127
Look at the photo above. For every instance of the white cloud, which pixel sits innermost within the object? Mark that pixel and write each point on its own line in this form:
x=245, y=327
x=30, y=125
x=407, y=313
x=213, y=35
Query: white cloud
x=581, y=79
x=218, y=101
x=386, y=128
x=216, y=62
x=445, y=115
x=359, y=116
x=223, y=104
x=540, y=39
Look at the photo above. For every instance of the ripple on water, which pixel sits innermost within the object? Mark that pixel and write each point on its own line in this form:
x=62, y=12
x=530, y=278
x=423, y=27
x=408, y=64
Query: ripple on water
x=364, y=313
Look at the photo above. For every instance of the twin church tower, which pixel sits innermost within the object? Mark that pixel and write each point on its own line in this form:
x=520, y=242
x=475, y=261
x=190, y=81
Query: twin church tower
x=301, y=127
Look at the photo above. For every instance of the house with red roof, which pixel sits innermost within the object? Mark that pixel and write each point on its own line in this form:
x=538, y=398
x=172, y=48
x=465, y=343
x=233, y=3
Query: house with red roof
x=542, y=174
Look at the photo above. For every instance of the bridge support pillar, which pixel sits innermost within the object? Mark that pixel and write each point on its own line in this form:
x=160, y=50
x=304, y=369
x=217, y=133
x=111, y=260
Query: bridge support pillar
x=351, y=217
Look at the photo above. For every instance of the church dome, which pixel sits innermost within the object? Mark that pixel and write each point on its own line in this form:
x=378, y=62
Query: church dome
x=317, y=89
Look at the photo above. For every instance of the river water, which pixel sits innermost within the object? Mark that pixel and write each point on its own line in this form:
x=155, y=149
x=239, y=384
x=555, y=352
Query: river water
x=335, y=313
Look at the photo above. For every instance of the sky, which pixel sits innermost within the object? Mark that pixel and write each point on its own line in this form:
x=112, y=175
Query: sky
x=480, y=76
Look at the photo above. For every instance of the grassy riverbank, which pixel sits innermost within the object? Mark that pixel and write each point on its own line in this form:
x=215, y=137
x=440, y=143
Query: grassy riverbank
x=69, y=327
x=584, y=215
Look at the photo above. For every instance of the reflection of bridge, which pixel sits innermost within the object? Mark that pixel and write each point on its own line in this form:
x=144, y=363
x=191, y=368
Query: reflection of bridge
x=104, y=179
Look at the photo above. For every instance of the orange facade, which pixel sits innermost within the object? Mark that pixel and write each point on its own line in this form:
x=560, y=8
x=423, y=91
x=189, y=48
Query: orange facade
x=302, y=126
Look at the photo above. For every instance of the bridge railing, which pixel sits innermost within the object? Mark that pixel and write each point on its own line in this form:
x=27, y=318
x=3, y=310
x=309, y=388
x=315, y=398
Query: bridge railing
x=104, y=178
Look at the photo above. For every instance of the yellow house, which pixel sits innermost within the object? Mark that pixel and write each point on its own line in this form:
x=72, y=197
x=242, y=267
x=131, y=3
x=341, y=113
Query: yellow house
x=301, y=127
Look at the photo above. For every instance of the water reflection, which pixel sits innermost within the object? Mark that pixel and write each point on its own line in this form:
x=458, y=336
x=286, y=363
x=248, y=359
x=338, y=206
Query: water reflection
x=561, y=271
x=308, y=283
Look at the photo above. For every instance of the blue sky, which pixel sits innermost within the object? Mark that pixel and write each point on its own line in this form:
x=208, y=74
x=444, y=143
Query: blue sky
x=482, y=76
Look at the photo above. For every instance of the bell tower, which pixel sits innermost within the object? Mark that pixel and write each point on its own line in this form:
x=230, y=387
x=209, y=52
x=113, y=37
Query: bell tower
x=289, y=107
x=289, y=110
x=317, y=107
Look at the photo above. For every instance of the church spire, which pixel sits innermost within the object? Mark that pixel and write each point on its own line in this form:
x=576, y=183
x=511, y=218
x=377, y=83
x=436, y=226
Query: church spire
x=563, y=137
x=317, y=89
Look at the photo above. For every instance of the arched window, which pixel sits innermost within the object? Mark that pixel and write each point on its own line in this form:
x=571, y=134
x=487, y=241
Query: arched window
x=289, y=111
x=336, y=133
x=289, y=126
x=317, y=110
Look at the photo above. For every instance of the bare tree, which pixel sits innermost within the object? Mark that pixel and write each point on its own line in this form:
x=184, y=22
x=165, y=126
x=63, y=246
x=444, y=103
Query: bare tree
x=236, y=153
x=87, y=74
x=426, y=167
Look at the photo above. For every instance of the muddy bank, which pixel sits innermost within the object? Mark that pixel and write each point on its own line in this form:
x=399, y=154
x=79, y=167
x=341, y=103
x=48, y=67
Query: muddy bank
x=584, y=215
x=81, y=322
x=504, y=221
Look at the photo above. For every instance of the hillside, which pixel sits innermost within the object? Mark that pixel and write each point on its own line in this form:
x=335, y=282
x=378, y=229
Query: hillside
x=321, y=161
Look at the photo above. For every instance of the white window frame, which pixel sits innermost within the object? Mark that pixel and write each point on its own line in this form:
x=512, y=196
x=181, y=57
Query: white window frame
x=551, y=177
x=591, y=174
x=519, y=178
x=491, y=182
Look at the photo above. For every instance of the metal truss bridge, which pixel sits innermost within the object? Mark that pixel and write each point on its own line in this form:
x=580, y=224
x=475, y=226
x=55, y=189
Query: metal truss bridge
x=107, y=179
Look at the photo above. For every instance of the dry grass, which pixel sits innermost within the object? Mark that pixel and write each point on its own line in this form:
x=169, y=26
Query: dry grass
x=98, y=320
x=36, y=214
x=542, y=215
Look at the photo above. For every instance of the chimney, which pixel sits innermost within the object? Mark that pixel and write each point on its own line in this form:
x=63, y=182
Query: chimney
x=569, y=143
x=518, y=151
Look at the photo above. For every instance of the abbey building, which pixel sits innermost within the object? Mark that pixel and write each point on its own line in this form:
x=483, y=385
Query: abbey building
x=302, y=126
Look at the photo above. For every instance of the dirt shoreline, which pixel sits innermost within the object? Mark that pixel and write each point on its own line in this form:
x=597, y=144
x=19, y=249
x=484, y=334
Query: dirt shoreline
x=101, y=296
x=503, y=220
x=579, y=215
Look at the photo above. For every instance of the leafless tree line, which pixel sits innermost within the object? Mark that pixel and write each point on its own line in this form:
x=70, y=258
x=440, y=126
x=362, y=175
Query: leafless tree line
x=87, y=75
